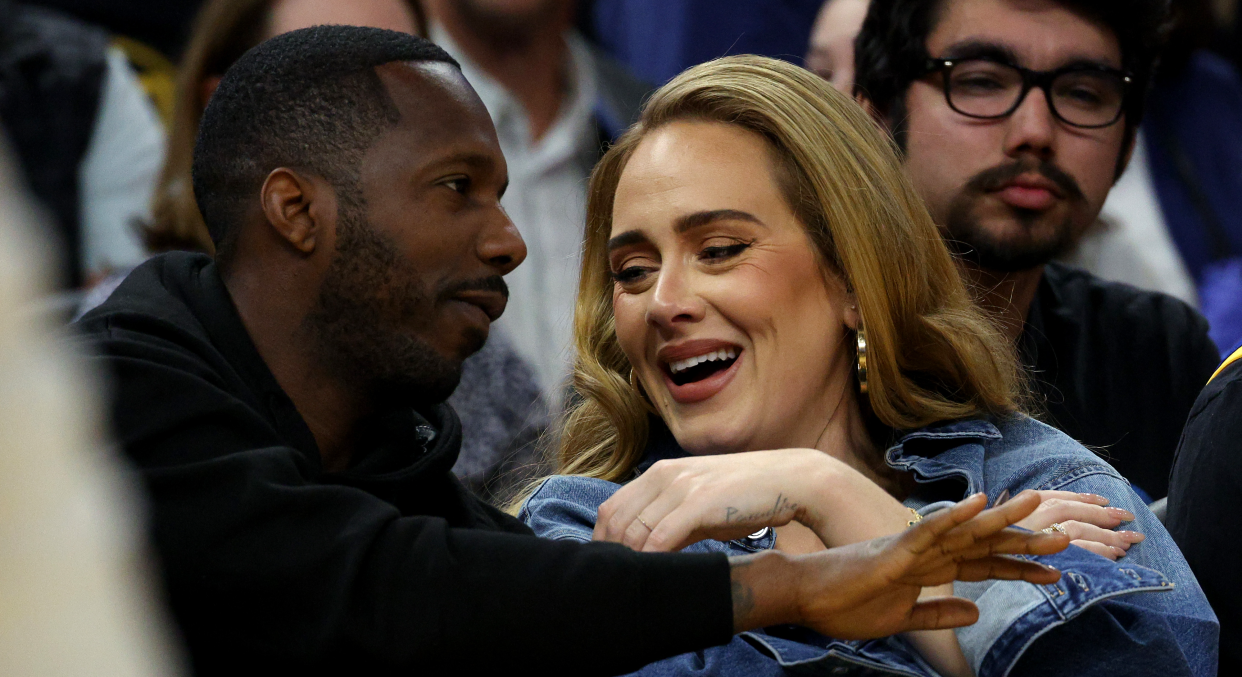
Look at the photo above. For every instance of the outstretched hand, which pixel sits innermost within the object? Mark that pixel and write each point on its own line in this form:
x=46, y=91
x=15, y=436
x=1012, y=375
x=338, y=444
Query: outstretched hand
x=871, y=589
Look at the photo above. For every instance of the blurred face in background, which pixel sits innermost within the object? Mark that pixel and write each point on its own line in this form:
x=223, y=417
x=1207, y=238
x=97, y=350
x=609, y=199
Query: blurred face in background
x=831, y=54
x=1012, y=192
x=290, y=15
x=509, y=21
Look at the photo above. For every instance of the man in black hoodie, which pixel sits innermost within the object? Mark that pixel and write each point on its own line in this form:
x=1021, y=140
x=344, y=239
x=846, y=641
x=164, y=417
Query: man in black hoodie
x=284, y=404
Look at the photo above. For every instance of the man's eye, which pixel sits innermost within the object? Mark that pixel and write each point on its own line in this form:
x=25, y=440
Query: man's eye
x=723, y=253
x=459, y=185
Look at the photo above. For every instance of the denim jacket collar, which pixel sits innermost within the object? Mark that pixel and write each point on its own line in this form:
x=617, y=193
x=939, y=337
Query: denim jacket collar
x=944, y=450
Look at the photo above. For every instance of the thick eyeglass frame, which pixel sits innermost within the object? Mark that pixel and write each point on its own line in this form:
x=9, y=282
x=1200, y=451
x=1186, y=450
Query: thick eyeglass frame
x=1030, y=80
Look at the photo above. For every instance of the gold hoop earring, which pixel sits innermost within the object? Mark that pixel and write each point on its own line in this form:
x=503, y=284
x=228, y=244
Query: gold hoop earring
x=861, y=338
x=642, y=394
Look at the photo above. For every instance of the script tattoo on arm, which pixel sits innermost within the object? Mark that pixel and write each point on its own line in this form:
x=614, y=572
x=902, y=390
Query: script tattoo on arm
x=781, y=507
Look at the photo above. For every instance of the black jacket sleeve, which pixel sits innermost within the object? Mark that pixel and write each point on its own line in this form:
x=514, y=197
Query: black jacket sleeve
x=1206, y=484
x=266, y=567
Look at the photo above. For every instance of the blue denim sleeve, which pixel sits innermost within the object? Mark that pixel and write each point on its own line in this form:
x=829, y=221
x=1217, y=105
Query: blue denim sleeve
x=1142, y=615
x=566, y=508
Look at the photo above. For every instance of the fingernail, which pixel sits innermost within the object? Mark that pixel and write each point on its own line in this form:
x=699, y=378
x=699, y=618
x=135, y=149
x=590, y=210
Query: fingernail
x=1120, y=514
x=1118, y=552
x=1132, y=536
x=1095, y=498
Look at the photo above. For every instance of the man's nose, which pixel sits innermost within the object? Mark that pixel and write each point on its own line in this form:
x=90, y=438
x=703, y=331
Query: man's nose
x=673, y=299
x=500, y=244
x=1032, y=128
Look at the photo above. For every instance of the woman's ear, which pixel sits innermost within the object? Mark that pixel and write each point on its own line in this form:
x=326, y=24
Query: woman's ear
x=852, y=317
x=292, y=208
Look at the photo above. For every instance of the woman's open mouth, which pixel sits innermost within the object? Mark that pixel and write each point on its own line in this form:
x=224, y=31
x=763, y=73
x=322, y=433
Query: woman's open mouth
x=695, y=369
x=697, y=377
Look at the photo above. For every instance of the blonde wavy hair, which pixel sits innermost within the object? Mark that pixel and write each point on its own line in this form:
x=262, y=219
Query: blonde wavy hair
x=933, y=355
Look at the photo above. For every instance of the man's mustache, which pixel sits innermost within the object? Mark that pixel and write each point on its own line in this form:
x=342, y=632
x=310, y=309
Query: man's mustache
x=994, y=179
x=494, y=283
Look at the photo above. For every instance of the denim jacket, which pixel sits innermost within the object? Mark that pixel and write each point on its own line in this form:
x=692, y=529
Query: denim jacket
x=1142, y=615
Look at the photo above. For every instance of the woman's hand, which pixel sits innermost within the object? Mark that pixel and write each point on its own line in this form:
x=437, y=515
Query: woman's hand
x=1087, y=521
x=682, y=501
x=871, y=589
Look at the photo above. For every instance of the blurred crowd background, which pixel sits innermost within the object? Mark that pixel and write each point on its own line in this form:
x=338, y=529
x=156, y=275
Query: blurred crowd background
x=100, y=100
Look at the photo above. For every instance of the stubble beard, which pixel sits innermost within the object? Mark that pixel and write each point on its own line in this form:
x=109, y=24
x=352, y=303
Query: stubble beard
x=360, y=321
x=1041, y=238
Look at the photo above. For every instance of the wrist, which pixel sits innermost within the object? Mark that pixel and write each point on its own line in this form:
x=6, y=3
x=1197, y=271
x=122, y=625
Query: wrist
x=765, y=589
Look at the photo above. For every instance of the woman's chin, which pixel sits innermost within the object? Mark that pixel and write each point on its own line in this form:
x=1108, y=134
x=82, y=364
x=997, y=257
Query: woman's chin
x=710, y=435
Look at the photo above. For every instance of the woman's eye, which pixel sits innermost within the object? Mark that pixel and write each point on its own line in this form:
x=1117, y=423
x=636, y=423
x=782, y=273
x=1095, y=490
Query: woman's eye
x=630, y=274
x=721, y=253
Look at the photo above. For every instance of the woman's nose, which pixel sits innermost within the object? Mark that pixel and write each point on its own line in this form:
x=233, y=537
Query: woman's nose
x=673, y=300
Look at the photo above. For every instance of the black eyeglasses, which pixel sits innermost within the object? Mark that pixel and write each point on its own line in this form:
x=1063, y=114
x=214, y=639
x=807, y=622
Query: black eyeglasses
x=1082, y=95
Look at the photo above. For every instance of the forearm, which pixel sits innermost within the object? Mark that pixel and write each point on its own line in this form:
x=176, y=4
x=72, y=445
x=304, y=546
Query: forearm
x=940, y=648
x=764, y=588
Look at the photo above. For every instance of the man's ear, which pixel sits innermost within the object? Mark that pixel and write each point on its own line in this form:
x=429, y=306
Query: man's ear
x=295, y=206
x=871, y=110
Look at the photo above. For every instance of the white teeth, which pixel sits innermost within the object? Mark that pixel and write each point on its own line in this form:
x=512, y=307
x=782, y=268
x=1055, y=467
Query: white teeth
x=682, y=365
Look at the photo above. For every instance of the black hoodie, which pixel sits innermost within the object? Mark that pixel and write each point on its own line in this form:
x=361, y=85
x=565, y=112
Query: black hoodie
x=390, y=566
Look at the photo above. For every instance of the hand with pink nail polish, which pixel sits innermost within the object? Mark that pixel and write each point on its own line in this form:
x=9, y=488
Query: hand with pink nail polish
x=1087, y=520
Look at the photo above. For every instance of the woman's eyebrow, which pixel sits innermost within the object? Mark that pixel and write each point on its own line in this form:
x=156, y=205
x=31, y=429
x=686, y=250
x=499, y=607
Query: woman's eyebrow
x=697, y=219
x=685, y=223
x=629, y=237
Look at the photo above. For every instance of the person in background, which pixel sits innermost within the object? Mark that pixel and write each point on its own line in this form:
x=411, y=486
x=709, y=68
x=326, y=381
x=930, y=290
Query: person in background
x=831, y=51
x=284, y=405
x=1013, y=166
x=88, y=141
x=1173, y=221
x=556, y=102
x=79, y=592
x=498, y=399
x=1206, y=482
x=658, y=40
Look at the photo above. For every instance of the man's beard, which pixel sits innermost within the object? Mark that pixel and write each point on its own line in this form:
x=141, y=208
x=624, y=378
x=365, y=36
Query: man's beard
x=971, y=239
x=506, y=30
x=361, y=320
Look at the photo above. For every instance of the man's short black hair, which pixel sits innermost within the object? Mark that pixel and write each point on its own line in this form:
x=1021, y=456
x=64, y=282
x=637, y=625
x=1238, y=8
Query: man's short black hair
x=310, y=100
x=891, y=49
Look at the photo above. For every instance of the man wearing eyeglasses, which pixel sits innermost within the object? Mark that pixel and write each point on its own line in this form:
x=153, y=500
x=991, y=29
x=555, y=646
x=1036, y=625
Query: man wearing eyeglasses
x=1016, y=117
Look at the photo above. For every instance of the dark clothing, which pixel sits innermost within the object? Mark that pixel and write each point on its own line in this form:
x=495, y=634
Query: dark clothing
x=52, y=70
x=390, y=566
x=1117, y=369
x=163, y=24
x=658, y=40
x=1203, y=499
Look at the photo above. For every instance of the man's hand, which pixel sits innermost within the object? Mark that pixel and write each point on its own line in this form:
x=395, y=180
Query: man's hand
x=871, y=589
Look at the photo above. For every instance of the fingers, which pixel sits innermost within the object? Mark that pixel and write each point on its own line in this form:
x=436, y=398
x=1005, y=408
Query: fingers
x=922, y=536
x=1121, y=540
x=1063, y=510
x=1049, y=494
x=1005, y=569
x=619, y=513
x=941, y=613
x=1100, y=549
x=966, y=533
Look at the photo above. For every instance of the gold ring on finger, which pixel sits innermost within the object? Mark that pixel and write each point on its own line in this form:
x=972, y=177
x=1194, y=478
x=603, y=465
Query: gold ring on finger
x=1056, y=526
x=640, y=521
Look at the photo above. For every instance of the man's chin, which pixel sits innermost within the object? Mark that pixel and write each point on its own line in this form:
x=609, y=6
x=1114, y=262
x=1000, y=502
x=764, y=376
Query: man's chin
x=1018, y=241
x=420, y=393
